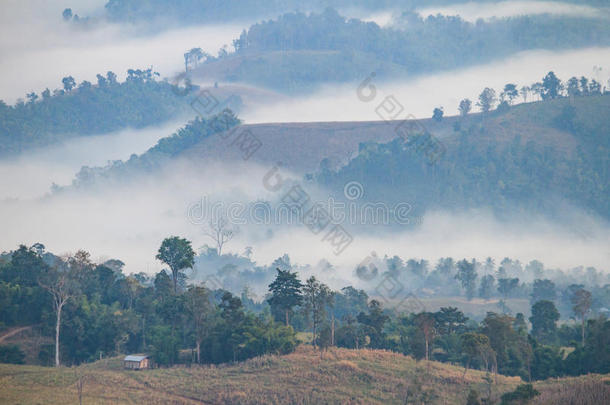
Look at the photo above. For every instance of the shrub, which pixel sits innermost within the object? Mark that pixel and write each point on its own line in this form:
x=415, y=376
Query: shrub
x=11, y=354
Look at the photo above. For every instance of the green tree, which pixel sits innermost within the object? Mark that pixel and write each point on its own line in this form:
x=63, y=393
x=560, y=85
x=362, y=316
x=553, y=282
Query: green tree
x=510, y=92
x=467, y=276
x=164, y=345
x=67, y=14
x=285, y=293
x=316, y=298
x=375, y=320
x=11, y=354
x=551, y=86
x=486, y=287
x=581, y=304
x=426, y=324
x=543, y=290
x=465, y=107
x=449, y=320
x=506, y=286
x=178, y=254
x=69, y=83
x=437, y=114
x=525, y=90
x=198, y=309
x=521, y=395
x=573, y=87
x=544, y=321
x=476, y=346
x=487, y=99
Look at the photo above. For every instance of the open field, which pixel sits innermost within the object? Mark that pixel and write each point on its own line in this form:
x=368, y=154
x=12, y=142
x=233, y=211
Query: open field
x=301, y=146
x=304, y=377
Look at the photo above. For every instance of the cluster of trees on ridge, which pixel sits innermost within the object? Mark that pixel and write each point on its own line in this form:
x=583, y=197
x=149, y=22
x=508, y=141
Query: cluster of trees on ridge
x=504, y=173
x=550, y=88
x=205, y=11
x=298, y=50
x=88, y=109
x=91, y=309
x=163, y=151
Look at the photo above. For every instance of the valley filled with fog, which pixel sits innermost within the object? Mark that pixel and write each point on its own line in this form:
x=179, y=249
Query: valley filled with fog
x=134, y=215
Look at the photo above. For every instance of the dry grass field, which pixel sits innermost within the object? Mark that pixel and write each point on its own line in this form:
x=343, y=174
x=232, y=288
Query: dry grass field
x=339, y=376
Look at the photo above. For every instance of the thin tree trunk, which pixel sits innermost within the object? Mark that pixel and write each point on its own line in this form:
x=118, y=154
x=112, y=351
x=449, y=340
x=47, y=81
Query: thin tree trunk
x=582, y=329
x=198, y=352
x=287, y=323
x=57, y=324
x=426, y=340
x=175, y=274
x=332, y=331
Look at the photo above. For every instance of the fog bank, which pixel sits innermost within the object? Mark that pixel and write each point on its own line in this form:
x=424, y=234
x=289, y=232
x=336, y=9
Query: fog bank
x=129, y=220
x=420, y=95
x=472, y=11
x=32, y=173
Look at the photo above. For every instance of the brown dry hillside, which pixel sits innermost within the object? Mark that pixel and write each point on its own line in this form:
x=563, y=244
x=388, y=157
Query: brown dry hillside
x=339, y=376
x=301, y=146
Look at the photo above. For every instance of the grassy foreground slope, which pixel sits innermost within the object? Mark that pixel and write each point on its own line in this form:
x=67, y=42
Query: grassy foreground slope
x=304, y=377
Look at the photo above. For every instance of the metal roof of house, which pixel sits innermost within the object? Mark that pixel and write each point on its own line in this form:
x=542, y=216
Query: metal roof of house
x=134, y=358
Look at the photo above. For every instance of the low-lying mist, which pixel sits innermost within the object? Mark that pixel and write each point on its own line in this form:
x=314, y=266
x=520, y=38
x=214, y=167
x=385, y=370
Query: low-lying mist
x=32, y=174
x=129, y=220
x=420, y=95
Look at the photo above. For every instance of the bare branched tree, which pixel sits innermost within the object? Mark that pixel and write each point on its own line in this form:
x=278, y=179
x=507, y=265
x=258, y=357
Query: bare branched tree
x=61, y=285
x=220, y=231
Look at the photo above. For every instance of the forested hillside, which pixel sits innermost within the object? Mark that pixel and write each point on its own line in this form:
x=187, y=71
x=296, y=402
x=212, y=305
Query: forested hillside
x=198, y=11
x=535, y=157
x=89, y=109
x=499, y=160
x=298, y=51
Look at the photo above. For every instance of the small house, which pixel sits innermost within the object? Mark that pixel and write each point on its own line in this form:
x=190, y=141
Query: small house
x=136, y=362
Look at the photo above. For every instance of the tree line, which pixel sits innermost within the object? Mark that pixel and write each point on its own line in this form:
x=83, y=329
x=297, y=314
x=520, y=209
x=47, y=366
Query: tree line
x=550, y=88
x=328, y=47
x=88, y=109
x=92, y=310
